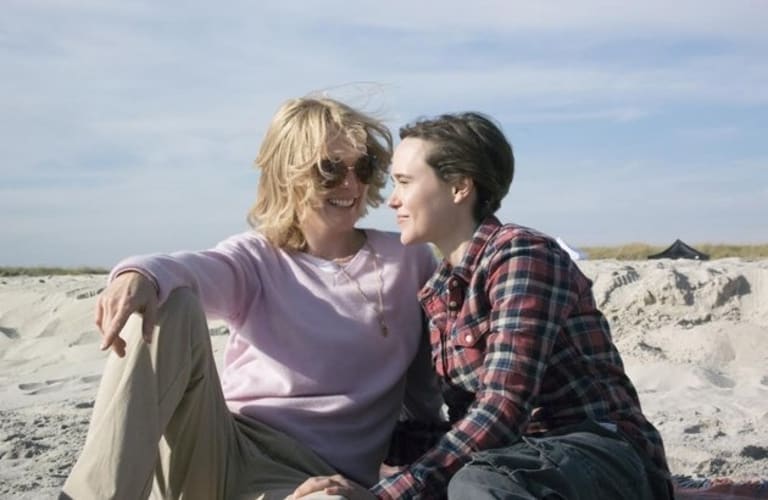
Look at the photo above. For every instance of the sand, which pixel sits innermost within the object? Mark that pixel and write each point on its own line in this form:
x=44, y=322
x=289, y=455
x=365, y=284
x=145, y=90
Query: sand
x=693, y=335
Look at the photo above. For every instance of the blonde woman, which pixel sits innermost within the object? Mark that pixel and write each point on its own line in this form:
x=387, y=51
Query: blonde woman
x=324, y=326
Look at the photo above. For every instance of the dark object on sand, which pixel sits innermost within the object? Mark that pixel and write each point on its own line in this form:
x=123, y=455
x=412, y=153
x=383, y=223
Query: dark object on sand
x=679, y=250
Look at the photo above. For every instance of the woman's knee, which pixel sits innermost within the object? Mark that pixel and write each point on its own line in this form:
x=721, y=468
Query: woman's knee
x=181, y=303
x=463, y=484
x=182, y=315
x=180, y=300
x=481, y=482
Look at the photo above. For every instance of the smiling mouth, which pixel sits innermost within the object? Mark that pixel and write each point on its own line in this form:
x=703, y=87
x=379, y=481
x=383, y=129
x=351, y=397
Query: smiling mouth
x=341, y=202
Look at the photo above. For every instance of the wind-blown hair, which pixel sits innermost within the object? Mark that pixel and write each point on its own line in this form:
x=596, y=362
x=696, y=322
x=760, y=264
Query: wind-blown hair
x=295, y=143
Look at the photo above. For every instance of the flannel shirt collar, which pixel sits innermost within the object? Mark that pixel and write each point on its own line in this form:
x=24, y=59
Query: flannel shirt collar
x=469, y=262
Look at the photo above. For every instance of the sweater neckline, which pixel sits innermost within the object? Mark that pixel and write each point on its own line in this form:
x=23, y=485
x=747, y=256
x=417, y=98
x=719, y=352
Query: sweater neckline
x=350, y=265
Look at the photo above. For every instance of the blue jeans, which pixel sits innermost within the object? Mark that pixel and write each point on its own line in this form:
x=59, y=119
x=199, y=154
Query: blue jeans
x=574, y=465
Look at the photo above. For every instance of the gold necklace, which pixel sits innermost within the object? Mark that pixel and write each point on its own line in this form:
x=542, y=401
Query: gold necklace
x=377, y=307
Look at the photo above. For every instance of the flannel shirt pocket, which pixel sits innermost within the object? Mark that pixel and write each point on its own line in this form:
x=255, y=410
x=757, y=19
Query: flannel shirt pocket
x=472, y=334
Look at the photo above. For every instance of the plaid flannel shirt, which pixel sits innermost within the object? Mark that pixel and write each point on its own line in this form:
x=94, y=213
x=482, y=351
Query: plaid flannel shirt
x=515, y=324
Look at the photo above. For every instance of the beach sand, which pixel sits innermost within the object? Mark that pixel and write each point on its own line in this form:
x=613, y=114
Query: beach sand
x=693, y=335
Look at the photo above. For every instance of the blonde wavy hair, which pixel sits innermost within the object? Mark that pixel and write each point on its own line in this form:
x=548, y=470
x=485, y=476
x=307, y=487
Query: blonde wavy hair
x=295, y=143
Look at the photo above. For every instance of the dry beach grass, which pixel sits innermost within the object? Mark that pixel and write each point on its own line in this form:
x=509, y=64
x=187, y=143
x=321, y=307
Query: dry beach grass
x=639, y=251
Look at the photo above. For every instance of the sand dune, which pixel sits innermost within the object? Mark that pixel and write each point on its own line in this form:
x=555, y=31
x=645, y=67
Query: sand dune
x=694, y=337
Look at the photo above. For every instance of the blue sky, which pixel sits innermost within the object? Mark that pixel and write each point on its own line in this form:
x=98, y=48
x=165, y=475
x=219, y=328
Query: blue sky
x=131, y=127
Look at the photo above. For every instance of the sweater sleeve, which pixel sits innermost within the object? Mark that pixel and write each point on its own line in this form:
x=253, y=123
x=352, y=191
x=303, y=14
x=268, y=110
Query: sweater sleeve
x=225, y=278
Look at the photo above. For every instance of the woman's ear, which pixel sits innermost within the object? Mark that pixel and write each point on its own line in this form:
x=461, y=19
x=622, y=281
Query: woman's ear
x=462, y=189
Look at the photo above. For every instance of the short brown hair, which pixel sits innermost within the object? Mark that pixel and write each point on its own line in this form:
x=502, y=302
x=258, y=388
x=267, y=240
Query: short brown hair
x=296, y=141
x=468, y=145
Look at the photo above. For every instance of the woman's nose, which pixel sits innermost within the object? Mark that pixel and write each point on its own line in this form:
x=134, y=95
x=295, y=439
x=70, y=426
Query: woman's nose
x=393, y=201
x=350, y=177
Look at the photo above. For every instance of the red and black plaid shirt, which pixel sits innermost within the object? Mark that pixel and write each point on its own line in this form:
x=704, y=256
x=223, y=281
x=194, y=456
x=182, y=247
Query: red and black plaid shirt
x=515, y=324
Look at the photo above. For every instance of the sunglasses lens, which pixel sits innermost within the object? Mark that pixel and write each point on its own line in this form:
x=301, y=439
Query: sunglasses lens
x=332, y=173
x=364, y=168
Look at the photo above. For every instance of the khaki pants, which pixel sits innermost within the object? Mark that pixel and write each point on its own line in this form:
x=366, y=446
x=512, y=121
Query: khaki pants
x=160, y=425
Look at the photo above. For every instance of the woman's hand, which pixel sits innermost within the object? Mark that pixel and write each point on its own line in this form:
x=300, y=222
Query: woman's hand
x=389, y=470
x=128, y=293
x=334, y=485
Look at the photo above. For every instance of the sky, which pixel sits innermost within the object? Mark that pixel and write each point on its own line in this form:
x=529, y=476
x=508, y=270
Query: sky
x=131, y=127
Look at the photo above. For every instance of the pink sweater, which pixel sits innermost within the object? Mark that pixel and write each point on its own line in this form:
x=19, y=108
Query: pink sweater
x=305, y=353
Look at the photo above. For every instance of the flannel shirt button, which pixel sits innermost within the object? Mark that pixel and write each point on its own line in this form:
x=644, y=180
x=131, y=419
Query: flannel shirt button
x=453, y=284
x=469, y=338
x=453, y=304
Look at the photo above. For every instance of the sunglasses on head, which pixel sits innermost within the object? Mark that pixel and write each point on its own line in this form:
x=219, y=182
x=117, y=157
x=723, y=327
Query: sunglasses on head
x=331, y=173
